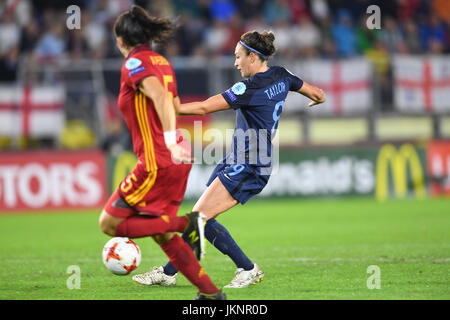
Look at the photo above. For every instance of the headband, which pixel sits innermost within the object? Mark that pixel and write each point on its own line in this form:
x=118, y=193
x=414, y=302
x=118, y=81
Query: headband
x=256, y=51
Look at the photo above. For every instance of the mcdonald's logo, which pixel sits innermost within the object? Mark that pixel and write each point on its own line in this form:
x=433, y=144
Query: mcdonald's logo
x=398, y=159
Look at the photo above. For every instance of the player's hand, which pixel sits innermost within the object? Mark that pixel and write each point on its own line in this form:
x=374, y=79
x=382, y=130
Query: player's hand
x=180, y=154
x=319, y=100
x=314, y=103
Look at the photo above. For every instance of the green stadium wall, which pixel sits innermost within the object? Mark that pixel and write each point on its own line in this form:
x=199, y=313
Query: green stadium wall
x=386, y=171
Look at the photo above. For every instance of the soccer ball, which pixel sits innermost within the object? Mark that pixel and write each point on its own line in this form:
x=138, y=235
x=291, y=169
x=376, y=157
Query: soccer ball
x=121, y=255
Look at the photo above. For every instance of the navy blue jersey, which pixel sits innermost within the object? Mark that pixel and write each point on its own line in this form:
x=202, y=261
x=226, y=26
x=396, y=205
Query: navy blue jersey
x=258, y=102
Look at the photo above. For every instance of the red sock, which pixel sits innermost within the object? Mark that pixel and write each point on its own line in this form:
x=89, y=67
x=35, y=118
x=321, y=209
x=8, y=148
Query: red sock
x=182, y=257
x=144, y=226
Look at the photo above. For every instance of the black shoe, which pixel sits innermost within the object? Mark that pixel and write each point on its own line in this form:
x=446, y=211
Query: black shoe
x=194, y=234
x=218, y=296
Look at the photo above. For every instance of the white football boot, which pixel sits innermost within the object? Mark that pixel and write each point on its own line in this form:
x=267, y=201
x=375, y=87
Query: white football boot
x=245, y=278
x=156, y=276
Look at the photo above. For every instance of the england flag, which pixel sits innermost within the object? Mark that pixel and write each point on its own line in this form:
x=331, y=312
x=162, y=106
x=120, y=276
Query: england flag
x=422, y=83
x=36, y=111
x=347, y=85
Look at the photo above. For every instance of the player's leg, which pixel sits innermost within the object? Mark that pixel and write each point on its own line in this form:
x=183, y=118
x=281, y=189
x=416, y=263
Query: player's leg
x=141, y=192
x=175, y=180
x=166, y=196
x=181, y=256
x=247, y=272
x=119, y=219
x=179, y=252
x=220, y=238
x=215, y=200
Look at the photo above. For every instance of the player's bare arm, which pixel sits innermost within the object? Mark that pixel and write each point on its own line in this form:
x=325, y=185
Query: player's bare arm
x=312, y=92
x=165, y=109
x=176, y=104
x=212, y=104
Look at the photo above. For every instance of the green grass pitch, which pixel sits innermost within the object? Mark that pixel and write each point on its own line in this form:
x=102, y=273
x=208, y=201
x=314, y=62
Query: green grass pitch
x=308, y=249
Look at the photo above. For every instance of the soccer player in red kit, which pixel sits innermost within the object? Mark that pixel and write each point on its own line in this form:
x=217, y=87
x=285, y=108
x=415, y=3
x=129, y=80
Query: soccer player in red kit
x=147, y=200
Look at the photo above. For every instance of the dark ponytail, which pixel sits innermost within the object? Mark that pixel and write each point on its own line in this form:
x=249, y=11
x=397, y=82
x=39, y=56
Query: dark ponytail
x=261, y=42
x=136, y=26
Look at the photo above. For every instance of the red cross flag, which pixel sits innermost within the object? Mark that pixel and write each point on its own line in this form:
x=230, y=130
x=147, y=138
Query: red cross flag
x=346, y=83
x=422, y=84
x=31, y=111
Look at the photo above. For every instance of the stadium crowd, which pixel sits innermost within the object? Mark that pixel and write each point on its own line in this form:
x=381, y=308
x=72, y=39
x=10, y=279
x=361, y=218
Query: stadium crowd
x=303, y=28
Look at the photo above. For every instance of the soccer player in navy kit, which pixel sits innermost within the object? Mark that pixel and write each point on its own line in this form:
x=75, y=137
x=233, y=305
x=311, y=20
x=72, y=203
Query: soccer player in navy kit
x=245, y=170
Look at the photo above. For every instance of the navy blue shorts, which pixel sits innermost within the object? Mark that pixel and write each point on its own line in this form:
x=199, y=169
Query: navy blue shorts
x=242, y=181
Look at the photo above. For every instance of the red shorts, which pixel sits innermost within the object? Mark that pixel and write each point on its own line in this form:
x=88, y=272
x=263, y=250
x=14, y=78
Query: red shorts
x=150, y=193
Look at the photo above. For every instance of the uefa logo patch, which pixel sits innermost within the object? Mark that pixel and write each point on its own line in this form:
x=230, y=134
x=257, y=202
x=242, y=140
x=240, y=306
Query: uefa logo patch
x=135, y=70
x=133, y=63
x=239, y=88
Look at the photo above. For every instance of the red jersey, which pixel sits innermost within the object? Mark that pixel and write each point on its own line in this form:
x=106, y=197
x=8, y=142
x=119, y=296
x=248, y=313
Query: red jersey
x=139, y=111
